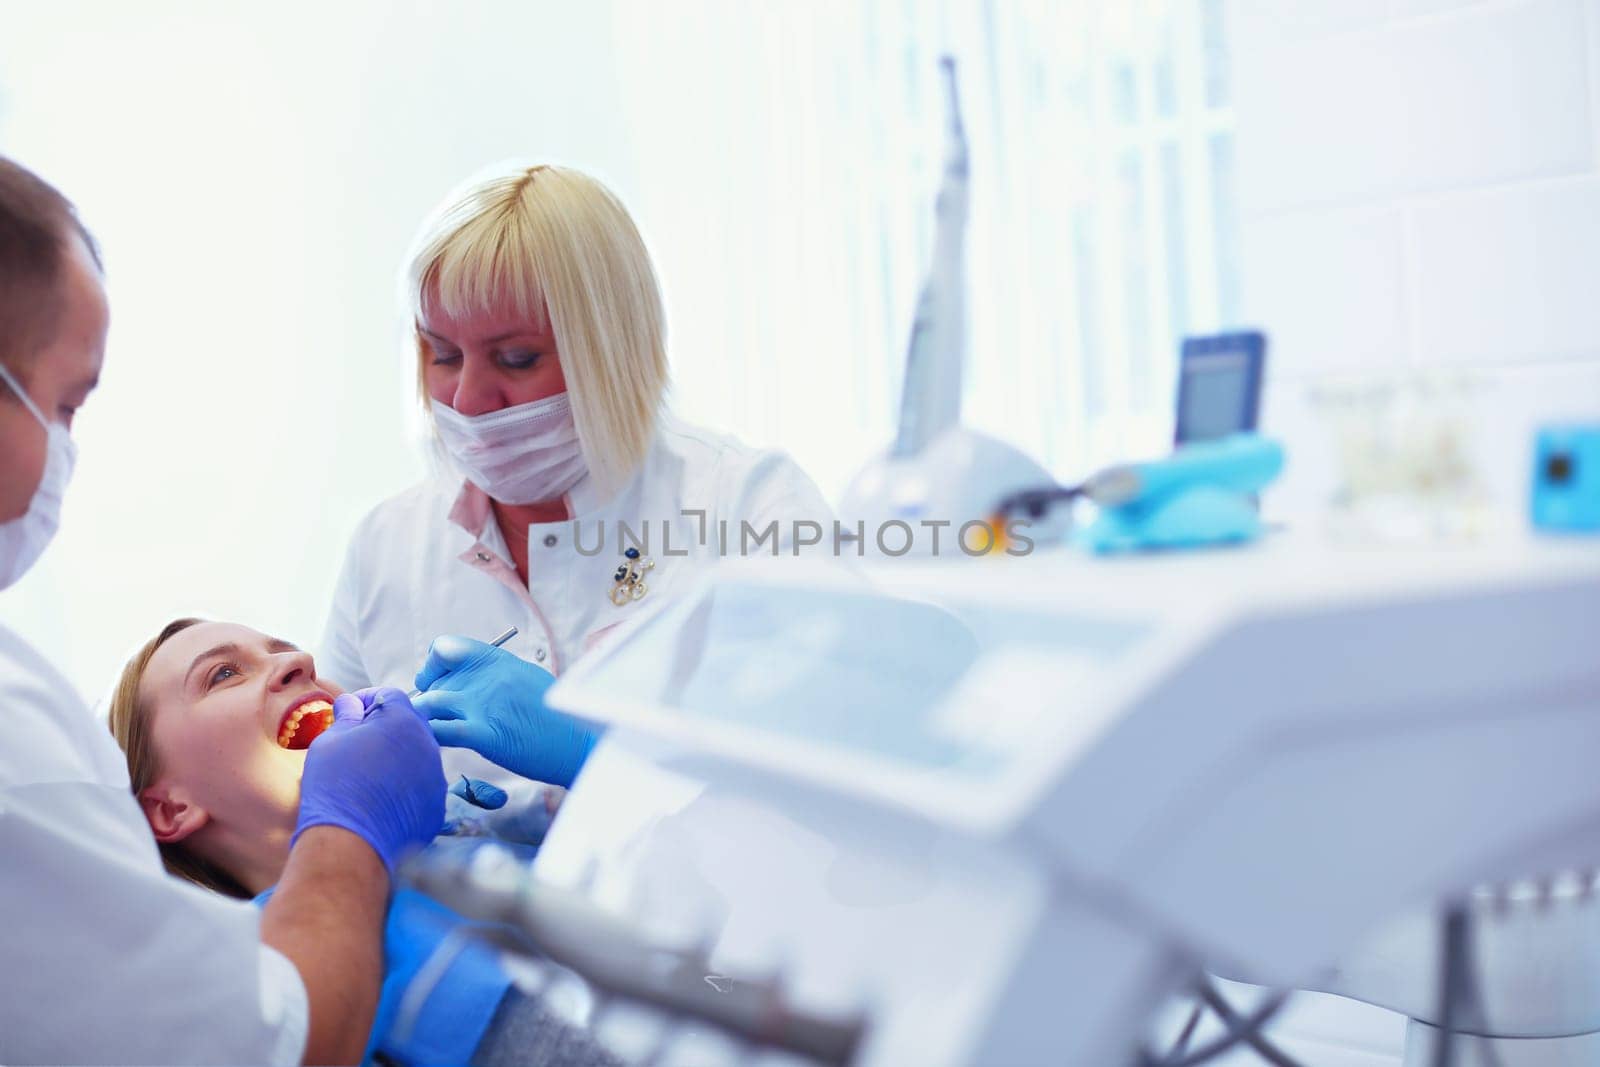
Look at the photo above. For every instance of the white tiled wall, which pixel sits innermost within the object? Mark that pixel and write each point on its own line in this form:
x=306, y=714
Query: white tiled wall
x=1510, y=274
x=1385, y=106
x=1419, y=186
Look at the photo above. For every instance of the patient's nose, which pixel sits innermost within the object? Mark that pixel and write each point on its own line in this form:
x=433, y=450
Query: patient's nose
x=292, y=668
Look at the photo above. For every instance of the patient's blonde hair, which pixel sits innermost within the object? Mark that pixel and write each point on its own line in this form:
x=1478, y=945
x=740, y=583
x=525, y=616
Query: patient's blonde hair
x=550, y=237
x=130, y=725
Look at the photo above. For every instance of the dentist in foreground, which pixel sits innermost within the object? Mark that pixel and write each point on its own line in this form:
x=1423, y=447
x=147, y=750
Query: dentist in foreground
x=107, y=959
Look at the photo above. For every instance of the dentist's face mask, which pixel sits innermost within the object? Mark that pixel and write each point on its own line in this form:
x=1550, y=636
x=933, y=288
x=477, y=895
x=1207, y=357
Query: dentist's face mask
x=518, y=455
x=23, y=539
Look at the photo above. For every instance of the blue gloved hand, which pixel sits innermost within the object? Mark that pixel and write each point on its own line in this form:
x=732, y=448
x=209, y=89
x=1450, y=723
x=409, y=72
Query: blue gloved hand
x=476, y=808
x=486, y=699
x=467, y=804
x=376, y=773
x=477, y=793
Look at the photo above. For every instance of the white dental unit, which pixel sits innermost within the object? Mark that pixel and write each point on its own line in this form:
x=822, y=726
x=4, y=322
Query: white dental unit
x=1000, y=809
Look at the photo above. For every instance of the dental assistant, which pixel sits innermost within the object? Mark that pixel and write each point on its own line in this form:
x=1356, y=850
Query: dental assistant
x=106, y=958
x=572, y=501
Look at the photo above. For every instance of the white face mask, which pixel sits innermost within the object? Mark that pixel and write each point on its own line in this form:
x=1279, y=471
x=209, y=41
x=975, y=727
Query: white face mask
x=518, y=455
x=24, y=539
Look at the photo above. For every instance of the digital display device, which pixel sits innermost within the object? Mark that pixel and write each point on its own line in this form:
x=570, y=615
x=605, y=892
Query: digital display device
x=1219, y=385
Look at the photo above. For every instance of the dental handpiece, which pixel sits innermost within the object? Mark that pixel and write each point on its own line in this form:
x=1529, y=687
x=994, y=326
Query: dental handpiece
x=497, y=642
x=1242, y=462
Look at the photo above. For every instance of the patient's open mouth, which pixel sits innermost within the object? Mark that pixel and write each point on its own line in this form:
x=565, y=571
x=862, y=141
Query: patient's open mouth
x=302, y=725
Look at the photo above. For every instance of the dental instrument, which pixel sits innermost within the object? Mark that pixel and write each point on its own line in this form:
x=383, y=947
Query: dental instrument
x=938, y=470
x=1202, y=494
x=930, y=400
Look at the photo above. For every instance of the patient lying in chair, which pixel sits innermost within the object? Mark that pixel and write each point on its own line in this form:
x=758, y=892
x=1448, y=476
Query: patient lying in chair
x=214, y=719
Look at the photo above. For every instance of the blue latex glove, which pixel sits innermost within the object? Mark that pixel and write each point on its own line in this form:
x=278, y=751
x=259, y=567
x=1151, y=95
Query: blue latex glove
x=376, y=773
x=486, y=699
x=477, y=793
x=467, y=804
x=476, y=808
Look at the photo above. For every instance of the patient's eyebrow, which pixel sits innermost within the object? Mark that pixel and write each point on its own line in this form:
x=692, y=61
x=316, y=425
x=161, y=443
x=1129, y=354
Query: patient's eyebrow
x=227, y=648
x=232, y=648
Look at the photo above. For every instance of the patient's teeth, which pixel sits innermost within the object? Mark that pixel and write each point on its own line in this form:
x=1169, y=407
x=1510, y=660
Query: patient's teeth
x=321, y=712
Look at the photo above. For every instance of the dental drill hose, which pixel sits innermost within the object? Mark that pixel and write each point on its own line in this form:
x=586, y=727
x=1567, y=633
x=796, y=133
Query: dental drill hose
x=492, y=885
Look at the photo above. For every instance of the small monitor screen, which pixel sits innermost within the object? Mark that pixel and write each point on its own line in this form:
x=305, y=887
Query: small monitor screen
x=1219, y=384
x=1218, y=389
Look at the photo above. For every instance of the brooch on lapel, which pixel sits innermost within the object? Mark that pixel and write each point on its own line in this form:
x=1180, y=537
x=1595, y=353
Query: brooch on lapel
x=628, y=582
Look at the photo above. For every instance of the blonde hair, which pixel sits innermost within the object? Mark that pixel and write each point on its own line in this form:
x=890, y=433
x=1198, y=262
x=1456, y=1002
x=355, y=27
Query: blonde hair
x=550, y=237
x=130, y=725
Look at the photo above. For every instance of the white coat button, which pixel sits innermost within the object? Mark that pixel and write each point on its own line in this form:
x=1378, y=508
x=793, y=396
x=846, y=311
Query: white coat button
x=483, y=557
x=549, y=540
x=539, y=655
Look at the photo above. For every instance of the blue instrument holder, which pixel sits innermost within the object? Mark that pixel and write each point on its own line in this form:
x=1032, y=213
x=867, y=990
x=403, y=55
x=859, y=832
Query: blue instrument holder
x=1204, y=494
x=1191, y=518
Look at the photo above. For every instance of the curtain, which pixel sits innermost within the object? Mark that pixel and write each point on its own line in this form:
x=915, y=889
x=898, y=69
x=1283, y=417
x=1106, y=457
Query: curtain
x=788, y=157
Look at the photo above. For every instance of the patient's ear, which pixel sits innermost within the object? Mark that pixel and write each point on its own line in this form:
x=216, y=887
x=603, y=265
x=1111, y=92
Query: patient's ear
x=171, y=814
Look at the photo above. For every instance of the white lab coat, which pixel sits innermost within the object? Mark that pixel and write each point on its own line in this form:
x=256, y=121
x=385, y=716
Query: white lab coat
x=432, y=561
x=105, y=958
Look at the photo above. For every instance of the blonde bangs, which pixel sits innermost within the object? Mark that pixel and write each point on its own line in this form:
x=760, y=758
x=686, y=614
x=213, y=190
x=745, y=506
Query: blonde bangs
x=551, y=240
x=488, y=265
